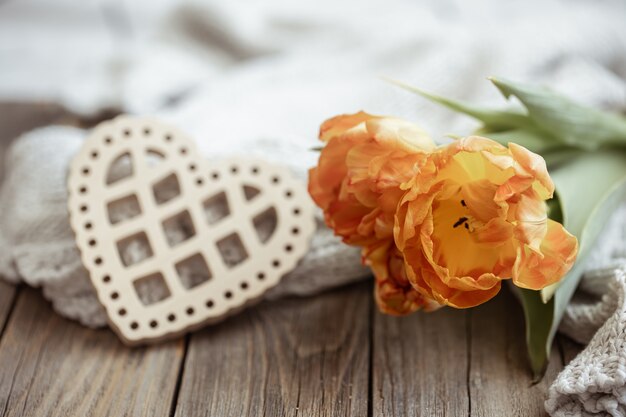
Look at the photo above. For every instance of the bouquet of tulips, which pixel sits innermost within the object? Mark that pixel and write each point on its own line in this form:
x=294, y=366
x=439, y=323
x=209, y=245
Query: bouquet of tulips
x=522, y=199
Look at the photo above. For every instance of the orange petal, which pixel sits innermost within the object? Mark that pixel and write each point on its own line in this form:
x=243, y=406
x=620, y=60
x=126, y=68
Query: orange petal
x=531, y=215
x=455, y=297
x=393, y=292
x=405, y=135
x=479, y=199
x=337, y=125
x=557, y=255
x=480, y=144
x=496, y=231
x=360, y=159
x=409, y=216
x=345, y=217
x=468, y=299
x=513, y=186
x=327, y=177
x=536, y=166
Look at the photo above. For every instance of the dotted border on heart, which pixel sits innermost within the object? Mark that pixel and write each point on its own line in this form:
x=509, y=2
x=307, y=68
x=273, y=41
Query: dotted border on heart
x=186, y=309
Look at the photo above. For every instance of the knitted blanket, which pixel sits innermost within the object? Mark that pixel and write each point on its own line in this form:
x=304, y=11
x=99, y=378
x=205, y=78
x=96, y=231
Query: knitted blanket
x=259, y=77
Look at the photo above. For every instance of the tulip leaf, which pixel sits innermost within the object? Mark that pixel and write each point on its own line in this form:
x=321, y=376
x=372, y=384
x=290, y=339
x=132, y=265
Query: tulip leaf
x=589, y=185
x=558, y=157
x=528, y=138
x=586, y=186
x=549, y=117
x=493, y=120
x=589, y=188
x=570, y=122
x=539, y=317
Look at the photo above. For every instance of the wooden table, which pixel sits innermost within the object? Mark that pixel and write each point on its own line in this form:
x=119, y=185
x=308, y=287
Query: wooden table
x=331, y=355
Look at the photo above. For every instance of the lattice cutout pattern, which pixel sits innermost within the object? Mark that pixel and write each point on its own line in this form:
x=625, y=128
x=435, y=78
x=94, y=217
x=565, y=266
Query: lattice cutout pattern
x=172, y=241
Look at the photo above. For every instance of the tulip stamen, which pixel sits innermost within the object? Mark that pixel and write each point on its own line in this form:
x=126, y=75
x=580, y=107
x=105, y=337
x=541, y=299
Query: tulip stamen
x=459, y=222
x=463, y=203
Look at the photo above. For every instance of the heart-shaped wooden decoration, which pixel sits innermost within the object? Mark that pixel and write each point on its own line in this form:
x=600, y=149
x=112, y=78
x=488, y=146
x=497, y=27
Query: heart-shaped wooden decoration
x=173, y=242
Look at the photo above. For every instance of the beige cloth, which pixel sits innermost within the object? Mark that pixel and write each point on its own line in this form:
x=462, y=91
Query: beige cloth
x=594, y=383
x=37, y=244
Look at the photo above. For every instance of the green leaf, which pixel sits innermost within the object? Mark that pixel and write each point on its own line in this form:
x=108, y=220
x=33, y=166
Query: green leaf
x=495, y=120
x=558, y=157
x=589, y=184
x=528, y=138
x=539, y=324
x=570, y=122
x=549, y=117
x=589, y=188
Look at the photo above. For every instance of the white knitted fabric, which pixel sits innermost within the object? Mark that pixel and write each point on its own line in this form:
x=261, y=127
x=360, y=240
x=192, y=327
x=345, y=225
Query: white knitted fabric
x=258, y=78
x=594, y=383
x=37, y=244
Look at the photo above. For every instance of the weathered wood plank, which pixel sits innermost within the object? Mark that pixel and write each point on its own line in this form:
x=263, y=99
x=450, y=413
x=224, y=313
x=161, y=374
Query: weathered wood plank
x=7, y=294
x=499, y=377
x=419, y=365
x=51, y=366
x=302, y=356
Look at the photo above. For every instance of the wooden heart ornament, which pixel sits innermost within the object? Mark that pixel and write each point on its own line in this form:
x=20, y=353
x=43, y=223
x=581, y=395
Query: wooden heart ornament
x=172, y=241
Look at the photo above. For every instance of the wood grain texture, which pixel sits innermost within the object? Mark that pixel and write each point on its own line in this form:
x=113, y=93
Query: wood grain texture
x=7, y=294
x=420, y=364
x=50, y=366
x=302, y=356
x=499, y=377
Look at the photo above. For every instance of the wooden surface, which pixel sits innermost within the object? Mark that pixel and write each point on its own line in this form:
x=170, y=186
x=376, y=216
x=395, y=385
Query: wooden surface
x=328, y=355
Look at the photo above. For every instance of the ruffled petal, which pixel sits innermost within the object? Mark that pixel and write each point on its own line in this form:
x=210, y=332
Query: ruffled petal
x=338, y=125
x=535, y=165
x=458, y=298
x=405, y=135
x=393, y=292
x=531, y=216
x=478, y=197
x=557, y=255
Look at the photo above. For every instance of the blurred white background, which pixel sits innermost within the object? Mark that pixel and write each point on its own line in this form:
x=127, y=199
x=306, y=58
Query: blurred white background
x=248, y=71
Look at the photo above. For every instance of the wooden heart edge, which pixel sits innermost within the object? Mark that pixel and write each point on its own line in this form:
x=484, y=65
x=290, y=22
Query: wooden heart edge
x=116, y=129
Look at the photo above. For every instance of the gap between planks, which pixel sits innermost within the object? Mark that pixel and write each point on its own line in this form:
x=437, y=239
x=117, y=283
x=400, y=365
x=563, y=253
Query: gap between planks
x=457, y=363
x=292, y=357
x=51, y=366
x=301, y=356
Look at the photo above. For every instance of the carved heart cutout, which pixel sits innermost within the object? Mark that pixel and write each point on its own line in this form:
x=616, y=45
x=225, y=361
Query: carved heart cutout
x=171, y=241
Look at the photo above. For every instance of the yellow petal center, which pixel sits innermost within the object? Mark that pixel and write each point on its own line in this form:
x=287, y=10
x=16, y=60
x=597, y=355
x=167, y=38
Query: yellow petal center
x=470, y=233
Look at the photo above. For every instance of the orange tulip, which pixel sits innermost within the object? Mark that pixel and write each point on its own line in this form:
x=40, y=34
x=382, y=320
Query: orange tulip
x=357, y=180
x=357, y=184
x=477, y=215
